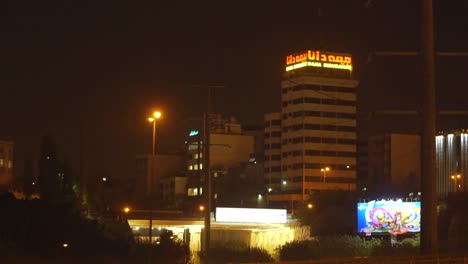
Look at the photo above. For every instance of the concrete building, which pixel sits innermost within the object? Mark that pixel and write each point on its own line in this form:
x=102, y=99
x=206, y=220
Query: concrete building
x=317, y=128
x=394, y=163
x=451, y=161
x=6, y=163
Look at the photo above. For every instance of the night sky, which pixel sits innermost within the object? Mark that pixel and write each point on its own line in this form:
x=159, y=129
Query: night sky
x=98, y=68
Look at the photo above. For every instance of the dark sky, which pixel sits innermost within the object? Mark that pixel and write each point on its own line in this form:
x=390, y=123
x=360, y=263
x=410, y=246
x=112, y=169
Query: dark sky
x=100, y=67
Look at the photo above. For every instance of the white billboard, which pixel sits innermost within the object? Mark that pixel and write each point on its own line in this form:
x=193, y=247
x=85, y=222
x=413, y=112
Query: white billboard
x=251, y=215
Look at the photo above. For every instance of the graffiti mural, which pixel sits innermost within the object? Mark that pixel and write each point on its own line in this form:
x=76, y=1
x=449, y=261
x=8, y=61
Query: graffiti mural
x=394, y=217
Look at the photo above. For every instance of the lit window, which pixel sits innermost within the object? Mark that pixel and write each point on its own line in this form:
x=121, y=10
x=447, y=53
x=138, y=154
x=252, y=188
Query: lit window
x=190, y=167
x=201, y=166
x=195, y=167
x=201, y=191
x=1, y=163
x=216, y=196
x=192, y=192
x=195, y=156
x=200, y=155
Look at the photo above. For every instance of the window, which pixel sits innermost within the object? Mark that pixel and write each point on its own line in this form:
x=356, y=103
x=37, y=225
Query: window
x=276, y=134
x=2, y=163
x=192, y=192
x=276, y=122
x=195, y=167
x=9, y=165
x=275, y=157
x=276, y=145
x=201, y=166
x=190, y=167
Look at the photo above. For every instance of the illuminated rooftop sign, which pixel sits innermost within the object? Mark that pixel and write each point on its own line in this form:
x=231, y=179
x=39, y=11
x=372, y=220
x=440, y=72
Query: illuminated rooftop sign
x=320, y=60
x=251, y=215
x=193, y=133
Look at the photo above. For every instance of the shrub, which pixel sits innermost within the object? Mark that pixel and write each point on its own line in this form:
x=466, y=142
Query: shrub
x=238, y=253
x=346, y=246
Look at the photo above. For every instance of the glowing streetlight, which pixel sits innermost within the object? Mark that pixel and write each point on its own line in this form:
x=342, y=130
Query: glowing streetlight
x=126, y=210
x=201, y=208
x=310, y=206
x=456, y=178
x=156, y=115
x=324, y=170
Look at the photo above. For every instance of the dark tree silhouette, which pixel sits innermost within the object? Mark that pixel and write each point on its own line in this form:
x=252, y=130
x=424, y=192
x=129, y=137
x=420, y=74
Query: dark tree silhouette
x=28, y=176
x=49, y=178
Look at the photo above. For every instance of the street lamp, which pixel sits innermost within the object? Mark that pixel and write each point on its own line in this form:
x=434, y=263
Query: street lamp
x=156, y=115
x=456, y=178
x=324, y=170
x=152, y=119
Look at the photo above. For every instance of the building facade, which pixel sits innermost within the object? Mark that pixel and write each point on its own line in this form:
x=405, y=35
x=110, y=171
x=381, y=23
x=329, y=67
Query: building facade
x=394, y=163
x=451, y=161
x=6, y=163
x=152, y=174
x=317, y=124
x=229, y=148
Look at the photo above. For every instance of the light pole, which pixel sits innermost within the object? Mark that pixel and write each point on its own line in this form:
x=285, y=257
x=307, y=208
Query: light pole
x=156, y=115
x=324, y=170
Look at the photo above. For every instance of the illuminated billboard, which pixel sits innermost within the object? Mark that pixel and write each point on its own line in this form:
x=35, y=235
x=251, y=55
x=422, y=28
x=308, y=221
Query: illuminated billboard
x=251, y=215
x=319, y=59
x=393, y=217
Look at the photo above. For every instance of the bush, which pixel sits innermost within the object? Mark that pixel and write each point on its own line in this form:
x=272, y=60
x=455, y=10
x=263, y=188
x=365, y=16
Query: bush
x=167, y=250
x=346, y=246
x=236, y=253
x=300, y=250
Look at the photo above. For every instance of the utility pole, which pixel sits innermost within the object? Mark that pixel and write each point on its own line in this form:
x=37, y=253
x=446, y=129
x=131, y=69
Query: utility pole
x=206, y=146
x=429, y=243
x=207, y=167
x=428, y=183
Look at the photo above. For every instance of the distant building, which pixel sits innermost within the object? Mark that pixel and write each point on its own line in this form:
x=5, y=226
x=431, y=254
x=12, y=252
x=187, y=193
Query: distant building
x=173, y=191
x=310, y=145
x=272, y=150
x=153, y=174
x=451, y=162
x=6, y=163
x=229, y=148
x=394, y=163
x=362, y=165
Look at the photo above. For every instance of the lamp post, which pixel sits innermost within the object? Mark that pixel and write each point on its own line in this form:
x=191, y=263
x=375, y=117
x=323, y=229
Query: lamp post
x=156, y=115
x=324, y=170
x=456, y=178
x=152, y=119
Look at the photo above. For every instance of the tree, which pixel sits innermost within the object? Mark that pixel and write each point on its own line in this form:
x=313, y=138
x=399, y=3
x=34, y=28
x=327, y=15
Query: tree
x=332, y=212
x=28, y=176
x=69, y=186
x=49, y=178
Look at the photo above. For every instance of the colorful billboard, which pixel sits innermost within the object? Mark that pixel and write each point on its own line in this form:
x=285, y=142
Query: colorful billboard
x=394, y=217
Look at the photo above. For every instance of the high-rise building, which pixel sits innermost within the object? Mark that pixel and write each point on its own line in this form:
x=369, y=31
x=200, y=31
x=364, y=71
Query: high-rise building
x=6, y=163
x=312, y=147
